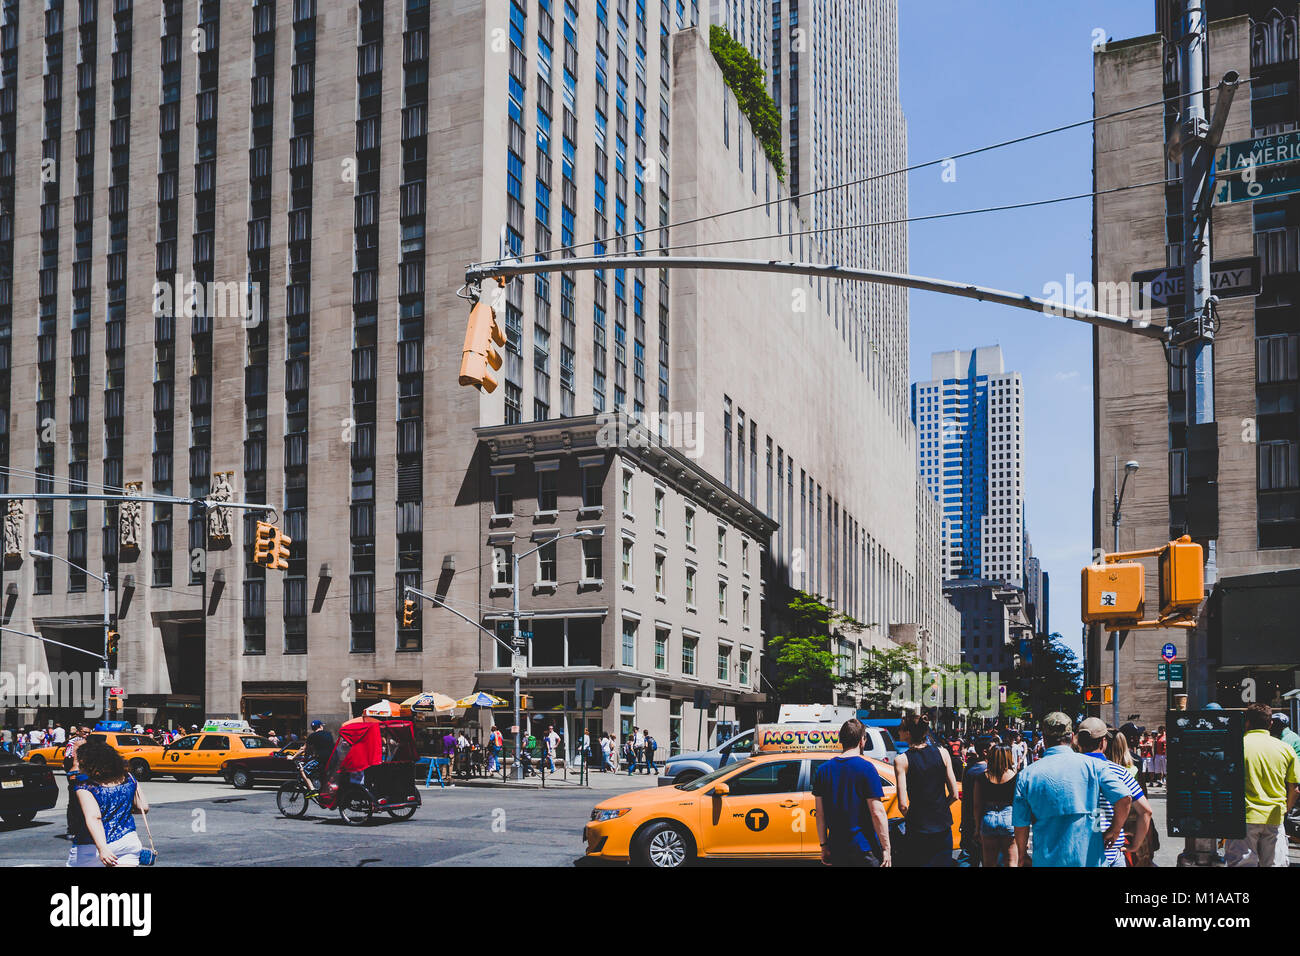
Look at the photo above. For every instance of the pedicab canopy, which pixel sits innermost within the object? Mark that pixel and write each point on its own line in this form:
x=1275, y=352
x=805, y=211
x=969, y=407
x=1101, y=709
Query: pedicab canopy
x=366, y=741
x=775, y=738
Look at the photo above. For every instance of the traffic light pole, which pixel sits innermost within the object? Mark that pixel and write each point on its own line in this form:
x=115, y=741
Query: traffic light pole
x=1138, y=324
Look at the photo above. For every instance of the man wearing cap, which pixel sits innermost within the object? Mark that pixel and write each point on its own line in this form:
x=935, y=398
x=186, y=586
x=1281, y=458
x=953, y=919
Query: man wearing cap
x=1059, y=796
x=317, y=749
x=1091, y=740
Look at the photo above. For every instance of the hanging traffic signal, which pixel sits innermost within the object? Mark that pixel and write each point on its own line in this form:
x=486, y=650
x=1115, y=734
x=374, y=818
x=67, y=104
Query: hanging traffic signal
x=481, y=357
x=112, y=639
x=1182, y=577
x=408, y=613
x=1113, y=593
x=262, y=544
x=280, y=551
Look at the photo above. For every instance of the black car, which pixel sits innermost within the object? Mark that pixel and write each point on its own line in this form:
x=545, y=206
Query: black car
x=247, y=772
x=25, y=789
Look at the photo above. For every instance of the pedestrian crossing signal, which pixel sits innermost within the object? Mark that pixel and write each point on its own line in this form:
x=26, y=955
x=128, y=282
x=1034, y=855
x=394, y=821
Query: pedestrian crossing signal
x=1100, y=694
x=481, y=356
x=408, y=613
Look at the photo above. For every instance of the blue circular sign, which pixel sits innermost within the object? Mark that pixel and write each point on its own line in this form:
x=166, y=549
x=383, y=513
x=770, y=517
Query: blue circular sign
x=1169, y=652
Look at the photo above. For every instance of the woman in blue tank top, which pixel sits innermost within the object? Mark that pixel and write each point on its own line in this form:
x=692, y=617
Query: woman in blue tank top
x=927, y=789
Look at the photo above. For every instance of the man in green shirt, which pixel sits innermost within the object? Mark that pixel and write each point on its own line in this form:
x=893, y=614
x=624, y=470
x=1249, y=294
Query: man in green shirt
x=1272, y=786
x=1281, y=729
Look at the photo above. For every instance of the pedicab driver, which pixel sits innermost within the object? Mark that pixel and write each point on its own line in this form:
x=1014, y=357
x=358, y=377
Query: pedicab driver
x=316, y=751
x=852, y=826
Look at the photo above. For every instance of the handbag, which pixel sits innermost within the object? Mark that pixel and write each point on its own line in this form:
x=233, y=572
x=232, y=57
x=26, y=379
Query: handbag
x=150, y=856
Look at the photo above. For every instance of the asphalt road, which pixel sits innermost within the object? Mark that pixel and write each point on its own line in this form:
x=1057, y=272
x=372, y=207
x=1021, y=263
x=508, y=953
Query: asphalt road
x=212, y=824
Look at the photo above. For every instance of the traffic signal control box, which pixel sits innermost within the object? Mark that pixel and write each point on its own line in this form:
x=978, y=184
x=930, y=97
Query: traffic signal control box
x=1182, y=576
x=1113, y=593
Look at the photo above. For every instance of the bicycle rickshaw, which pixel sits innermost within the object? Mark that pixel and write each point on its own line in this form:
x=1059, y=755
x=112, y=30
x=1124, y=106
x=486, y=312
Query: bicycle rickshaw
x=371, y=770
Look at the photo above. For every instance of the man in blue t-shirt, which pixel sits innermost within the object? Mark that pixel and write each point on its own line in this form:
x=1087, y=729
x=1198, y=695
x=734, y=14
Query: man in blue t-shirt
x=851, y=823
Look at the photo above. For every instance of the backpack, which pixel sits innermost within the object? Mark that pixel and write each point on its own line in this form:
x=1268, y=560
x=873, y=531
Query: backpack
x=650, y=744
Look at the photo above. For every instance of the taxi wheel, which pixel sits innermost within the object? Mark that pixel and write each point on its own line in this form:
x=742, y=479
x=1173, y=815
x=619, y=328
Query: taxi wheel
x=139, y=770
x=664, y=845
x=37, y=759
x=182, y=777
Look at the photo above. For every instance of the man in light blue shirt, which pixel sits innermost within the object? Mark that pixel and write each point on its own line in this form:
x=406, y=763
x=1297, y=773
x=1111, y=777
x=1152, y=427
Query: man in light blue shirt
x=1058, y=796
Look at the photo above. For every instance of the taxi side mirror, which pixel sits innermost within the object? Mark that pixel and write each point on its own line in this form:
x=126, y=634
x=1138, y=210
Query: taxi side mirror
x=721, y=790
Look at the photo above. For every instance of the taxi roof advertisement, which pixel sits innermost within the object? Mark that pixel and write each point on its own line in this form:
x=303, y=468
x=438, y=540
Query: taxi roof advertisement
x=775, y=737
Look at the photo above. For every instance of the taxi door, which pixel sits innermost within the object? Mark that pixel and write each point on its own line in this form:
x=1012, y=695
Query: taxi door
x=212, y=752
x=757, y=817
x=179, y=757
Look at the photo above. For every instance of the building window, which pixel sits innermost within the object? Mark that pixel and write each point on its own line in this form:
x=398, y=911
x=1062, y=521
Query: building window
x=722, y=544
x=504, y=498
x=724, y=663
x=503, y=567
x=690, y=587
x=744, y=668
x=627, y=561
x=660, y=561
x=744, y=555
x=548, y=497
x=546, y=564
x=591, y=567
x=661, y=649
x=627, y=492
x=690, y=527
x=659, y=509
x=744, y=608
x=688, y=655
x=628, y=650
x=722, y=600
x=593, y=494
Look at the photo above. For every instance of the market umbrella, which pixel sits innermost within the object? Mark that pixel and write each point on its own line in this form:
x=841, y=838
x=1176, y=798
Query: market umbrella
x=431, y=700
x=481, y=699
x=385, y=708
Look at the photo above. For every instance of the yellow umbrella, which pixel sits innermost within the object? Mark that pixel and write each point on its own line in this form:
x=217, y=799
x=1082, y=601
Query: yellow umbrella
x=430, y=700
x=481, y=699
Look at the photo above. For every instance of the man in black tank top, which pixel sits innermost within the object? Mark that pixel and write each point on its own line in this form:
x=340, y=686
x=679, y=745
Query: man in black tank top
x=927, y=789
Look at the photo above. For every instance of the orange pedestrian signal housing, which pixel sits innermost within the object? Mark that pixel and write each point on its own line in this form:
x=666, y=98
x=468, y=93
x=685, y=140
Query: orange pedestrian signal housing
x=408, y=613
x=1101, y=694
x=480, y=358
x=271, y=547
x=1182, y=576
x=1113, y=593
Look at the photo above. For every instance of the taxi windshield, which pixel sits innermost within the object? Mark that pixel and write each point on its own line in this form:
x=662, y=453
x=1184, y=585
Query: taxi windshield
x=708, y=778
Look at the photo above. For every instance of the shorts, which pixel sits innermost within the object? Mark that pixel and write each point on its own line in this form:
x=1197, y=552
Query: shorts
x=1159, y=764
x=853, y=856
x=126, y=849
x=997, y=822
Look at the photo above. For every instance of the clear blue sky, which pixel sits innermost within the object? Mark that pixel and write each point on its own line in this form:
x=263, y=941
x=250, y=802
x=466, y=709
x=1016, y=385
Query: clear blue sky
x=974, y=74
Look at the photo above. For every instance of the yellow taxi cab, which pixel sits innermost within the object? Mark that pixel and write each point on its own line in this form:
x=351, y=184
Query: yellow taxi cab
x=139, y=750
x=759, y=808
x=207, y=752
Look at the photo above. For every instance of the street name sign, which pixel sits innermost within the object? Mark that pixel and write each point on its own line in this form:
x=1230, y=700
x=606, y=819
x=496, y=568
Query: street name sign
x=1229, y=279
x=1258, y=168
x=1171, y=671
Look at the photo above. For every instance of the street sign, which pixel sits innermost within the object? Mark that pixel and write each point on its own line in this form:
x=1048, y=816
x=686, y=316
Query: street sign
x=1260, y=168
x=519, y=666
x=701, y=698
x=1229, y=279
x=109, y=678
x=1171, y=671
x=585, y=691
x=526, y=635
x=1002, y=693
x=119, y=692
x=1169, y=652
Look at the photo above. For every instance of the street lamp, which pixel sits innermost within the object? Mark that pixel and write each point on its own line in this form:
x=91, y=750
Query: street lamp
x=108, y=621
x=1130, y=467
x=517, y=642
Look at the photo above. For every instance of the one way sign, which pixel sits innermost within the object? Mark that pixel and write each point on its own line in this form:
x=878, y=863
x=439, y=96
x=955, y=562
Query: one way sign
x=1229, y=278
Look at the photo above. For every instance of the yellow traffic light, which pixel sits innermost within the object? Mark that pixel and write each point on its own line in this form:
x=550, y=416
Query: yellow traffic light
x=1182, y=577
x=408, y=613
x=1113, y=593
x=1107, y=694
x=525, y=701
x=480, y=357
x=113, y=638
x=262, y=543
x=280, y=551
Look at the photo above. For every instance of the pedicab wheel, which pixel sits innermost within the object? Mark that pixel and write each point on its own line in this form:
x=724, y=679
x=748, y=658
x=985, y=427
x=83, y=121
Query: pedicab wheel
x=355, y=808
x=662, y=845
x=291, y=800
x=402, y=813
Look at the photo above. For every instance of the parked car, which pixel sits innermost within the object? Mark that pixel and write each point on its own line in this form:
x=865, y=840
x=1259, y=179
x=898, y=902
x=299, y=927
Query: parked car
x=878, y=743
x=247, y=772
x=25, y=789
